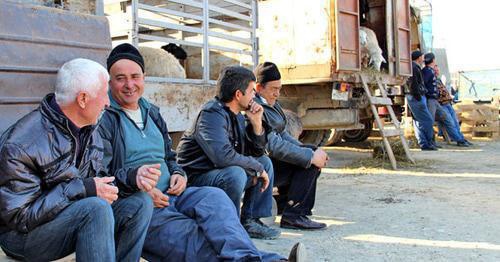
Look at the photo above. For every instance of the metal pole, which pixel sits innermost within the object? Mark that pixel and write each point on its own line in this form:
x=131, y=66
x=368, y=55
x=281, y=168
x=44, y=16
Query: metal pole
x=255, y=41
x=206, y=51
x=99, y=7
x=133, y=37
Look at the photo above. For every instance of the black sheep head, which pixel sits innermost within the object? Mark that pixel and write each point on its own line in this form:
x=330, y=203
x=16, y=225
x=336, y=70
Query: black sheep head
x=175, y=50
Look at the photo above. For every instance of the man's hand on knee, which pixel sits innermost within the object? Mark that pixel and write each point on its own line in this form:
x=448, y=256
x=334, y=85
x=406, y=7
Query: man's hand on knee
x=320, y=158
x=147, y=177
x=159, y=199
x=177, y=184
x=104, y=190
x=265, y=180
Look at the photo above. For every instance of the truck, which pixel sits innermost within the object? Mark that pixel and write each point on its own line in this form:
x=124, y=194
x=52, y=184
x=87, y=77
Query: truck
x=315, y=44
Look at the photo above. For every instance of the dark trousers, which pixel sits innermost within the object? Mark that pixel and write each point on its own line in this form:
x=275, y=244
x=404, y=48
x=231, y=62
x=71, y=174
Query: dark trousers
x=200, y=225
x=296, y=188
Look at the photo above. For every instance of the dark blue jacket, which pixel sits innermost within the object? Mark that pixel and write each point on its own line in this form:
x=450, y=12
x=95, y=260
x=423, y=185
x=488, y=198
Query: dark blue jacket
x=281, y=145
x=430, y=82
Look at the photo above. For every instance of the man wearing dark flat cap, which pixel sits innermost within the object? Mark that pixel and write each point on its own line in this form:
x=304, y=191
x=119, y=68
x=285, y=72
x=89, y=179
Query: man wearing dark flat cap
x=417, y=102
x=296, y=166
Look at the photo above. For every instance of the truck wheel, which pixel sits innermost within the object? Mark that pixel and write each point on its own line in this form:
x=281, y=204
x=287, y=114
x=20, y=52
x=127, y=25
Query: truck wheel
x=334, y=137
x=315, y=137
x=359, y=135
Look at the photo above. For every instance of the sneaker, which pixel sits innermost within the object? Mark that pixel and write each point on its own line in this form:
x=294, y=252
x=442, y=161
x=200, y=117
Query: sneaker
x=468, y=143
x=462, y=144
x=301, y=222
x=298, y=253
x=256, y=229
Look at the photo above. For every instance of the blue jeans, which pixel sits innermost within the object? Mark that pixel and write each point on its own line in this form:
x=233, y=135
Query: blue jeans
x=451, y=112
x=443, y=118
x=200, y=225
x=234, y=180
x=90, y=227
x=422, y=121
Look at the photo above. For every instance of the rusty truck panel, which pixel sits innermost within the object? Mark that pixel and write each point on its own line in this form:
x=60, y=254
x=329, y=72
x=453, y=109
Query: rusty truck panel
x=403, y=35
x=36, y=41
x=347, y=35
x=318, y=41
x=179, y=103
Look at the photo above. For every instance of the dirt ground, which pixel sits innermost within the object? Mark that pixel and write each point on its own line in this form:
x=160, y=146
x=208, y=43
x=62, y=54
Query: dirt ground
x=446, y=208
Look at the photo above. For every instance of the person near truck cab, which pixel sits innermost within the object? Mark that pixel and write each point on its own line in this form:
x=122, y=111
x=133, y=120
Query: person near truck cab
x=296, y=166
x=445, y=100
x=417, y=102
x=55, y=195
x=435, y=108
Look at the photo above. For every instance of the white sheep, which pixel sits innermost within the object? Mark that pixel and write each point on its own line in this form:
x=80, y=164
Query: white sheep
x=159, y=63
x=371, y=53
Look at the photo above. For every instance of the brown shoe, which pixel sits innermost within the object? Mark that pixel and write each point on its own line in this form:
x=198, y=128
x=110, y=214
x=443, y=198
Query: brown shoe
x=301, y=222
x=298, y=253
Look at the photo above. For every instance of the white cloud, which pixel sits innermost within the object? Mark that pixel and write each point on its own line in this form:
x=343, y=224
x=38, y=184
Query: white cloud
x=469, y=32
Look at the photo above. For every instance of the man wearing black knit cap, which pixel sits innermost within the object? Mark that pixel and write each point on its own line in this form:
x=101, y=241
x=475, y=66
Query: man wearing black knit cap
x=296, y=166
x=188, y=224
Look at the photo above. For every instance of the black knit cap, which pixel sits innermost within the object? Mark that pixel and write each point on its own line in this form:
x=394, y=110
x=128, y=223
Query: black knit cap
x=416, y=54
x=267, y=72
x=125, y=51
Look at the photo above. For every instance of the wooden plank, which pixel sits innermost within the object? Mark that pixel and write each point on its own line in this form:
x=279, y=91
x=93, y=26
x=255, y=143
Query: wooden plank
x=485, y=129
x=381, y=101
x=391, y=132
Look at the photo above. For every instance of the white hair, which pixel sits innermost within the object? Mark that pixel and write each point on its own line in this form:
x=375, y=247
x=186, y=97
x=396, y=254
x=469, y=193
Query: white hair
x=76, y=76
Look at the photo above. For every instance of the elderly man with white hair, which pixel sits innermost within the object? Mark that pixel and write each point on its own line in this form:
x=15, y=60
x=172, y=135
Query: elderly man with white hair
x=53, y=198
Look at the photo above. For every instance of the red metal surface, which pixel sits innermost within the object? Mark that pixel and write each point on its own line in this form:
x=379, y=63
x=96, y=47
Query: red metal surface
x=347, y=25
x=403, y=34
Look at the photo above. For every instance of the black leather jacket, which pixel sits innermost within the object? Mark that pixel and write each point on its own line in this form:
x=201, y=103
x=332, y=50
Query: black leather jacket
x=281, y=145
x=38, y=172
x=416, y=82
x=114, y=148
x=218, y=139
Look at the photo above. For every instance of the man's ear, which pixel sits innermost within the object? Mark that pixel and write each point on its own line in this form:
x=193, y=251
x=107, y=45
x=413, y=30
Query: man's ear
x=258, y=87
x=82, y=98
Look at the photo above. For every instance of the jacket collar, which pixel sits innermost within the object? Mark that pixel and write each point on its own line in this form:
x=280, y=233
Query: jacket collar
x=58, y=118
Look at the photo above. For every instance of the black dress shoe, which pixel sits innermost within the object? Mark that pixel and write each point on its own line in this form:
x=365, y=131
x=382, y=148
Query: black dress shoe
x=301, y=222
x=429, y=148
x=298, y=253
x=462, y=144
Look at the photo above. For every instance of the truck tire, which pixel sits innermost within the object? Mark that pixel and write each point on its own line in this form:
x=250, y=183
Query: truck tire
x=359, y=135
x=315, y=137
x=335, y=137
